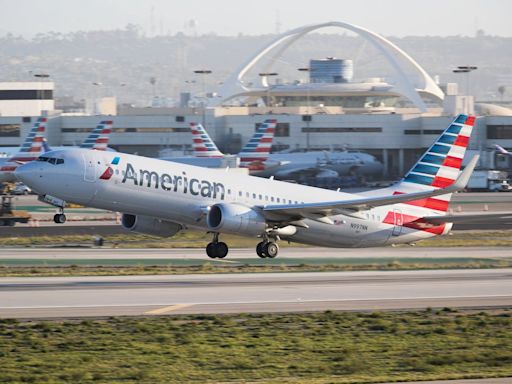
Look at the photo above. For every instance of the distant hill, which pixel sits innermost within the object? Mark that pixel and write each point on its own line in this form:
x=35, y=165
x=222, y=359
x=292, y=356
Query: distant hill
x=124, y=61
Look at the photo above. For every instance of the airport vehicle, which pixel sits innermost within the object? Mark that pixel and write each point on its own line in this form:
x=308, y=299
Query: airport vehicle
x=161, y=198
x=20, y=189
x=489, y=180
x=31, y=148
x=9, y=217
x=207, y=154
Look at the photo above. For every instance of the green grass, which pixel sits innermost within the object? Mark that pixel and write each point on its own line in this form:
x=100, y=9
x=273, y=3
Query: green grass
x=34, y=268
x=329, y=347
x=193, y=239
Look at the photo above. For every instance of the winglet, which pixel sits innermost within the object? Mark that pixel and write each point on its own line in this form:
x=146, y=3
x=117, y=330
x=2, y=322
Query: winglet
x=465, y=175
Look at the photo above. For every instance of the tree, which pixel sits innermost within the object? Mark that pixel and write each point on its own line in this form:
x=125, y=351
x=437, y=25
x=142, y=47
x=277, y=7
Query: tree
x=501, y=90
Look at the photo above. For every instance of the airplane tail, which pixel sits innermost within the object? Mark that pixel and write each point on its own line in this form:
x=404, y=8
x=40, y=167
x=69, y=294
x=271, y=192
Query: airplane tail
x=439, y=166
x=202, y=143
x=257, y=149
x=501, y=150
x=99, y=137
x=32, y=147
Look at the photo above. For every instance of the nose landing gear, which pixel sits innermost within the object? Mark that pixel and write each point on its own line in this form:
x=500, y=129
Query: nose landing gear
x=217, y=249
x=59, y=218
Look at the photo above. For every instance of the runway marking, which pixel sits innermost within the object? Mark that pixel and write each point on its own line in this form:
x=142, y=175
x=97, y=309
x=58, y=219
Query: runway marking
x=164, y=310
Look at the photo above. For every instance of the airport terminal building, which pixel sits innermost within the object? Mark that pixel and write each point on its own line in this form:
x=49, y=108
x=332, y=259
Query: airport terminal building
x=393, y=120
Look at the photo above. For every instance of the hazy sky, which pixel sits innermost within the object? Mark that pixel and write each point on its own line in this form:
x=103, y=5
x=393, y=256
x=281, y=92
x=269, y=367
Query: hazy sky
x=229, y=17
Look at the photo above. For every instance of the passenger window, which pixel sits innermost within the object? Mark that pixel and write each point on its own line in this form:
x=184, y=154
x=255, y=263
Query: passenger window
x=278, y=200
x=253, y=195
x=240, y=193
x=229, y=191
x=261, y=197
x=272, y=198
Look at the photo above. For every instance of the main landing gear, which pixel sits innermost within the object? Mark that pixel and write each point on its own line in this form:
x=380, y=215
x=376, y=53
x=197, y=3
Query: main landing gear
x=267, y=248
x=217, y=249
x=59, y=218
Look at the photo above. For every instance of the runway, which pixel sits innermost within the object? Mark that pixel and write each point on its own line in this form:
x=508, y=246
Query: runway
x=75, y=297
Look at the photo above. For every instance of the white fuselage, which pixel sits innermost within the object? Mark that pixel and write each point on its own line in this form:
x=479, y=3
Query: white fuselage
x=182, y=194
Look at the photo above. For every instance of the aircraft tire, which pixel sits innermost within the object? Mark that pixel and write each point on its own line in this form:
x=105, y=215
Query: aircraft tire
x=211, y=250
x=260, y=250
x=271, y=250
x=59, y=218
x=221, y=250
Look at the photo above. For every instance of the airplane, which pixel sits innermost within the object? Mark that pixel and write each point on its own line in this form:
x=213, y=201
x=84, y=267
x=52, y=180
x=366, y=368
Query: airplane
x=207, y=154
x=97, y=139
x=29, y=150
x=285, y=166
x=162, y=198
x=502, y=150
x=257, y=158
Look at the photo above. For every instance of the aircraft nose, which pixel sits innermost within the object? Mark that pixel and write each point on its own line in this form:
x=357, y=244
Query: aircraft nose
x=27, y=174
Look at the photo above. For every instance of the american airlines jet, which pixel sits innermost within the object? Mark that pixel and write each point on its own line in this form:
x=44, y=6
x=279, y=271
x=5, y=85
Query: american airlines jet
x=207, y=154
x=161, y=198
x=31, y=148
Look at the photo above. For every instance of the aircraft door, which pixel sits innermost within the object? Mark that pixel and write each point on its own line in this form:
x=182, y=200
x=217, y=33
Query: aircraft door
x=398, y=222
x=89, y=168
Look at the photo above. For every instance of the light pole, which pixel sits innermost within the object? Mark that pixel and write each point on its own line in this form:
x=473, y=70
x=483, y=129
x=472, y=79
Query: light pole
x=307, y=117
x=203, y=73
x=95, y=108
x=264, y=76
x=467, y=69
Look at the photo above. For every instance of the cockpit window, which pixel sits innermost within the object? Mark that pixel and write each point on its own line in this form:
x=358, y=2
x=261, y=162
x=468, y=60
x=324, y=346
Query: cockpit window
x=51, y=160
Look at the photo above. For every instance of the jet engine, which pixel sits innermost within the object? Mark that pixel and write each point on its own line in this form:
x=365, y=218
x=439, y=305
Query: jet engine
x=235, y=218
x=149, y=225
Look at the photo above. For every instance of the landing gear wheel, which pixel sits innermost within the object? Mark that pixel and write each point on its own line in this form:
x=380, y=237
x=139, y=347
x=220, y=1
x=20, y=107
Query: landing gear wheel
x=222, y=250
x=59, y=218
x=271, y=250
x=211, y=250
x=260, y=250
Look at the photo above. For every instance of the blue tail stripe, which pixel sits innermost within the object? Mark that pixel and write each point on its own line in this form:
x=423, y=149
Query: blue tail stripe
x=447, y=139
x=440, y=149
x=424, y=168
x=454, y=129
x=432, y=159
x=461, y=119
x=419, y=179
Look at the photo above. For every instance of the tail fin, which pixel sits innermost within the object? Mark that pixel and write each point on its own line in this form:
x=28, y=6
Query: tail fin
x=501, y=150
x=202, y=143
x=33, y=144
x=99, y=137
x=440, y=165
x=257, y=149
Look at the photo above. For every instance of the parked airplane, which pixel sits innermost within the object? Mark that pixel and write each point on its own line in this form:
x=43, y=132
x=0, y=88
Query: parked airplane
x=207, y=154
x=502, y=150
x=161, y=198
x=97, y=139
x=31, y=148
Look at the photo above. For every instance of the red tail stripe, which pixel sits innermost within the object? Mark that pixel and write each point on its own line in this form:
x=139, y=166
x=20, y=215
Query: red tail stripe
x=452, y=162
x=414, y=222
x=102, y=140
x=266, y=140
x=462, y=141
x=442, y=182
x=429, y=202
x=470, y=121
x=197, y=140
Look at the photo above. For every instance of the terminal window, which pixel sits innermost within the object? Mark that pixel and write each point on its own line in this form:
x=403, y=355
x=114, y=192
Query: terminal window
x=341, y=130
x=499, y=132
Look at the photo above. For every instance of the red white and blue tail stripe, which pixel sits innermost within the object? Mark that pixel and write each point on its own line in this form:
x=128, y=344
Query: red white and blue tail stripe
x=32, y=147
x=202, y=143
x=257, y=149
x=439, y=167
x=99, y=137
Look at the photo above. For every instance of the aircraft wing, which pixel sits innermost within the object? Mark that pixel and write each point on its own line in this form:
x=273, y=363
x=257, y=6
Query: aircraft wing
x=321, y=210
x=479, y=217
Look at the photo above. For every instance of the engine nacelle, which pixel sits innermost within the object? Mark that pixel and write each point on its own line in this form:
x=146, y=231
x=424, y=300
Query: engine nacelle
x=237, y=219
x=150, y=225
